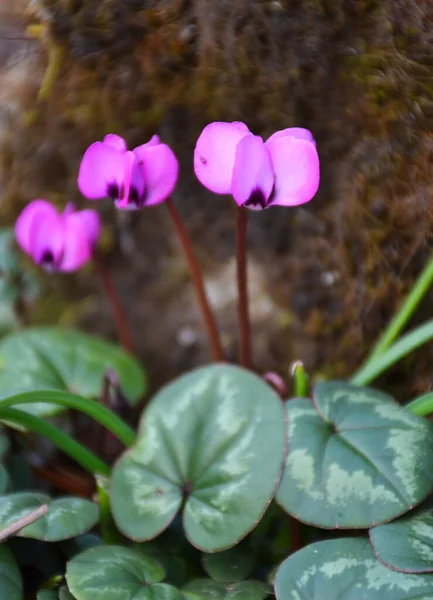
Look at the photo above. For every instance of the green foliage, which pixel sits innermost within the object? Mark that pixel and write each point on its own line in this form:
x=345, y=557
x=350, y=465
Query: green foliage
x=212, y=443
x=11, y=586
x=49, y=358
x=356, y=458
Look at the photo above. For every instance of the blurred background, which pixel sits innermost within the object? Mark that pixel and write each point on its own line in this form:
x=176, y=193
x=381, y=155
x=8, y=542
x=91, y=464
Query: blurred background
x=325, y=277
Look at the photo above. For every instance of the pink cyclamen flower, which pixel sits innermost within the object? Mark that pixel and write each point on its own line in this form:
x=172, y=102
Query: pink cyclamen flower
x=134, y=178
x=57, y=241
x=284, y=170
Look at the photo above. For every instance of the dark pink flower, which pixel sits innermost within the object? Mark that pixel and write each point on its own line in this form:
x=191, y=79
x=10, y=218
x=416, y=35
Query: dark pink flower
x=284, y=170
x=134, y=178
x=57, y=241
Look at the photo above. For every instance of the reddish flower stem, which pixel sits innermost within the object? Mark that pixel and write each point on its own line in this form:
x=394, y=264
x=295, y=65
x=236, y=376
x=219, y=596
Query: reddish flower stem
x=119, y=315
x=197, y=279
x=242, y=279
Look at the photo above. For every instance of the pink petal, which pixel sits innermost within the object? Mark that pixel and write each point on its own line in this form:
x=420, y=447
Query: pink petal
x=133, y=184
x=116, y=142
x=32, y=213
x=47, y=239
x=102, y=166
x=91, y=223
x=154, y=141
x=214, y=155
x=297, y=132
x=297, y=170
x=77, y=249
x=253, y=177
x=160, y=171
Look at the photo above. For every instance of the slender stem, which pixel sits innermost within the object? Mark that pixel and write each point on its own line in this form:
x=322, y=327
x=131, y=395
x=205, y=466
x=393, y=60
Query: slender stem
x=16, y=527
x=96, y=411
x=397, y=323
x=406, y=344
x=242, y=279
x=119, y=314
x=110, y=533
x=197, y=279
x=89, y=461
x=421, y=406
x=300, y=379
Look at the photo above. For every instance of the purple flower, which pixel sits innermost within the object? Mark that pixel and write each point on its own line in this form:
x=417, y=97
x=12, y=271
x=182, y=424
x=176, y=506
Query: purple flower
x=57, y=241
x=144, y=176
x=284, y=170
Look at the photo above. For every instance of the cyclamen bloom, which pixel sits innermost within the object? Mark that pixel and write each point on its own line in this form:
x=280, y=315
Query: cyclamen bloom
x=284, y=170
x=134, y=178
x=57, y=241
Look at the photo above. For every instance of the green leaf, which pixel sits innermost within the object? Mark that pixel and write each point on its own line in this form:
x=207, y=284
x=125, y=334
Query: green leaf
x=407, y=543
x=356, y=459
x=117, y=573
x=50, y=358
x=207, y=589
x=215, y=437
x=11, y=587
x=346, y=569
x=231, y=565
x=66, y=518
x=61, y=594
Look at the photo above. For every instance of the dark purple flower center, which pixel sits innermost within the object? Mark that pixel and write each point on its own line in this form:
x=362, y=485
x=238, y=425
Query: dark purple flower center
x=134, y=198
x=257, y=198
x=48, y=261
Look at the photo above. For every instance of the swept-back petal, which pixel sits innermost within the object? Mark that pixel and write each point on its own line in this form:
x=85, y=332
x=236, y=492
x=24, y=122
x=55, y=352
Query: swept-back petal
x=77, y=248
x=154, y=141
x=297, y=132
x=214, y=155
x=101, y=171
x=296, y=168
x=116, y=142
x=91, y=223
x=46, y=240
x=160, y=172
x=31, y=215
x=253, y=176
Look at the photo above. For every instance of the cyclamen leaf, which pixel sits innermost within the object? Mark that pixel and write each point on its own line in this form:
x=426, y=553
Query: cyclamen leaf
x=231, y=565
x=67, y=517
x=117, y=573
x=356, y=458
x=207, y=589
x=215, y=437
x=346, y=569
x=42, y=358
x=407, y=543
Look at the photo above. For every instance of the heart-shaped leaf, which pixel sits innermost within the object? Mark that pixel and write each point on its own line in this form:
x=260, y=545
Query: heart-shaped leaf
x=215, y=438
x=51, y=358
x=207, y=589
x=356, y=459
x=11, y=587
x=231, y=565
x=346, y=569
x=66, y=518
x=61, y=594
x=407, y=543
x=114, y=573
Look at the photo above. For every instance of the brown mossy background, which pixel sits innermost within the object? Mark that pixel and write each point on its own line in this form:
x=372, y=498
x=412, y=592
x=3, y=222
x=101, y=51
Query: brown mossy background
x=325, y=277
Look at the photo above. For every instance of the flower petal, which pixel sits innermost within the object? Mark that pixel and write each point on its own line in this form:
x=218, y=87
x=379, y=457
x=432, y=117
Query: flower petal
x=154, y=141
x=46, y=240
x=77, y=248
x=116, y=142
x=160, y=171
x=297, y=170
x=253, y=176
x=297, y=132
x=102, y=166
x=134, y=184
x=32, y=213
x=214, y=155
x=91, y=223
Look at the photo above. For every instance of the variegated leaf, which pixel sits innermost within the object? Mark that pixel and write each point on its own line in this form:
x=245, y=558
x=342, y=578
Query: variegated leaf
x=66, y=518
x=407, y=543
x=214, y=438
x=356, y=458
x=117, y=573
x=346, y=569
